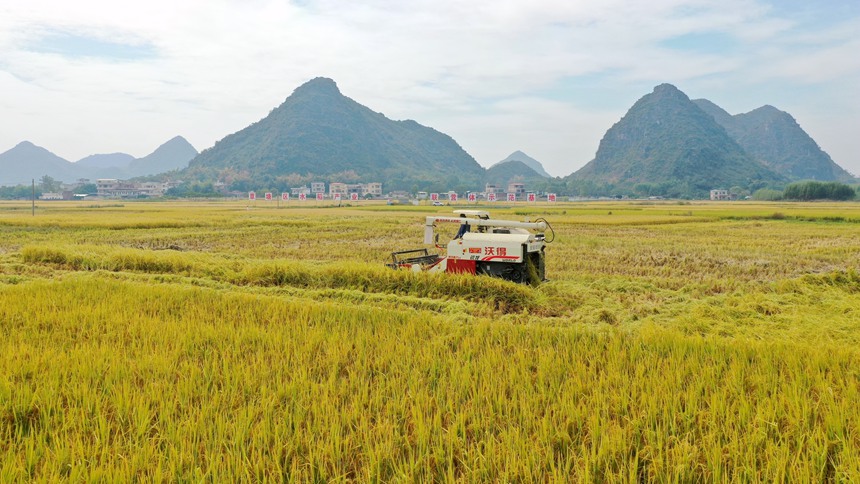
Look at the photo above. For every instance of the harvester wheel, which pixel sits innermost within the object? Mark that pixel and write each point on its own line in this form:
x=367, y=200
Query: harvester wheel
x=514, y=273
x=504, y=270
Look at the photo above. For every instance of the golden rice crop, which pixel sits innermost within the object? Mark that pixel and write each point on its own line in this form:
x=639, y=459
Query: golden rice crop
x=206, y=341
x=199, y=383
x=362, y=277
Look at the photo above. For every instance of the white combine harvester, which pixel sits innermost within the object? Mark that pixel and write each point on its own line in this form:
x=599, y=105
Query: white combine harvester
x=499, y=248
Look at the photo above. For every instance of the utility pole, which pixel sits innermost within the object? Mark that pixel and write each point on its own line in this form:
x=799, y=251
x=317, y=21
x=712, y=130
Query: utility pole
x=34, y=197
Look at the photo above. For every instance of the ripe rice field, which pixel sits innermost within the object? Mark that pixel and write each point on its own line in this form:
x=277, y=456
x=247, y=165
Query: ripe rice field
x=216, y=341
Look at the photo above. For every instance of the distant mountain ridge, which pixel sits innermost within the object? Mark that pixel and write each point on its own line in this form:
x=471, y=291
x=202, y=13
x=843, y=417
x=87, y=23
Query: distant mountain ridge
x=513, y=170
x=175, y=154
x=26, y=162
x=527, y=160
x=318, y=134
x=109, y=160
x=666, y=139
x=774, y=138
x=665, y=144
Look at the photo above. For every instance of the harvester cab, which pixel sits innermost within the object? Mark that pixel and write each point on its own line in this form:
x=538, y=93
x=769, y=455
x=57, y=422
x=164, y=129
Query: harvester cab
x=507, y=249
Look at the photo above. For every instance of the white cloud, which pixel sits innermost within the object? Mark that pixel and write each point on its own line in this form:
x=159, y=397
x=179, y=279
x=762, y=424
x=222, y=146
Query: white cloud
x=475, y=70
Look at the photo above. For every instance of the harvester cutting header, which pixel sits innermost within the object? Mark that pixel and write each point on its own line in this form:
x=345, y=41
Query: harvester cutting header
x=500, y=248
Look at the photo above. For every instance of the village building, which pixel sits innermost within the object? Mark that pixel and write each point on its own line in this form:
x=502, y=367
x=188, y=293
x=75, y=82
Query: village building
x=720, y=194
x=518, y=189
x=338, y=188
x=345, y=191
x=373, y=189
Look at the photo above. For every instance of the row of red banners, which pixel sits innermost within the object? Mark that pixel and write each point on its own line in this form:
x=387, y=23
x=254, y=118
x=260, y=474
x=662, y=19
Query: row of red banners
x=452, y=197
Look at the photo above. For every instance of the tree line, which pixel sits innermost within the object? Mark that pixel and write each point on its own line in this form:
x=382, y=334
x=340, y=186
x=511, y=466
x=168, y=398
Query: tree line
x=45, y=184
x=809, y=190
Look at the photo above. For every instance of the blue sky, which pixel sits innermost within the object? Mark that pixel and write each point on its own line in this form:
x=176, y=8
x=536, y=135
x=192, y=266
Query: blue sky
x=71, y=45
x=547, y=77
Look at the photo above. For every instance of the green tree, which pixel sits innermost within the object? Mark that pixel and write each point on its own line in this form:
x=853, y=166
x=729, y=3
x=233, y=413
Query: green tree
x=18, y=192
x=87, y=188
x=815, y=190
x=48, y=184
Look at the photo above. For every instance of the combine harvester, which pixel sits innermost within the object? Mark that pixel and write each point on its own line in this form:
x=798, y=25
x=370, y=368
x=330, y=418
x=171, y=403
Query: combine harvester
x=498, y=248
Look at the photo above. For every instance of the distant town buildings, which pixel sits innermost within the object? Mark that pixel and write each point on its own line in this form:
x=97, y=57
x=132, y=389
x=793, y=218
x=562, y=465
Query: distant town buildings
x=113, y=188
x=344, y=190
